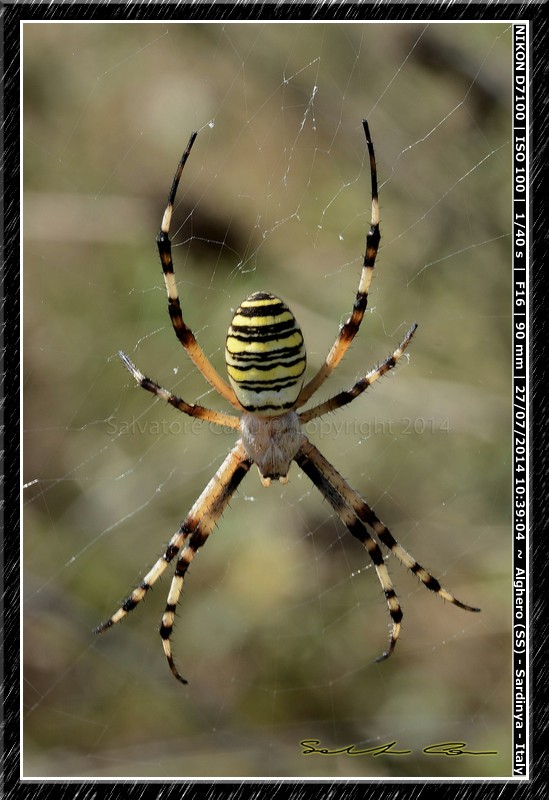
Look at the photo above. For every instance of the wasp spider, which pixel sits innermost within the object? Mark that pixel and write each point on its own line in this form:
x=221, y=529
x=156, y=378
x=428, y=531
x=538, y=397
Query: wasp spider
x=265, y=357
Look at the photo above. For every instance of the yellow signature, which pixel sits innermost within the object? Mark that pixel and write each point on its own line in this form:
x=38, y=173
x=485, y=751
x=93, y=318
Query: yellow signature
x=450, y=749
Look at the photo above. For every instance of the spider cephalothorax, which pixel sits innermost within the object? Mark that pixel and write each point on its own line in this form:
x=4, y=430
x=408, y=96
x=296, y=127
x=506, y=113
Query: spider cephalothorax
x=265, y=357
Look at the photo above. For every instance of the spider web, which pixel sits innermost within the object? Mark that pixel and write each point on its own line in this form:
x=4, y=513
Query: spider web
x=282, y=616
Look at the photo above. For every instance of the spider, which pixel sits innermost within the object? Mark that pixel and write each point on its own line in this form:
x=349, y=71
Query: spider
x=265, y=358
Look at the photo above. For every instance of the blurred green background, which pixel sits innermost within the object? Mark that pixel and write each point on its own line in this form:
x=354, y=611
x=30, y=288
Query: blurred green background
x=282, y=615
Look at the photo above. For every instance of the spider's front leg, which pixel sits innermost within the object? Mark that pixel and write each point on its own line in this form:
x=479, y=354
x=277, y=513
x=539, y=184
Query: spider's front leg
x=194, y=531
x=202, y=520
x=315, y=466
x=353, y=512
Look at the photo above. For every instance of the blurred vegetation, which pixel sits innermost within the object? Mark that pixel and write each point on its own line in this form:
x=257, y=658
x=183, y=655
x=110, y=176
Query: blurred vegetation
x=282, y=617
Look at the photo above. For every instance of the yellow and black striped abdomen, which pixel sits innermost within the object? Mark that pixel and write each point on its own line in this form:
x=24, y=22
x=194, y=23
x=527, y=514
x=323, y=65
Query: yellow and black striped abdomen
x=265, y=355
